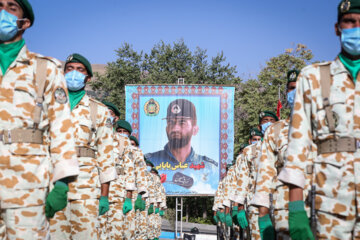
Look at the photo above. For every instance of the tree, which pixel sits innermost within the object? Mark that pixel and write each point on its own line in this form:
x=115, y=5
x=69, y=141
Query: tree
x=163, y=65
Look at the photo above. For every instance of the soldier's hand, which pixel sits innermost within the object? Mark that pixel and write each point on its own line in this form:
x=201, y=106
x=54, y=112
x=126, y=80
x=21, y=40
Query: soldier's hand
x=151, y=209
x=234, y=213
x=216, y=220
x=103, y=205
x=139, y=203
x=221, y=216
x=267, y=230
x=299, y=226
x=157, y=210
x=127, y=206
x=162, y=213
x=57, y=199
x=228, y=220
x=241, y=217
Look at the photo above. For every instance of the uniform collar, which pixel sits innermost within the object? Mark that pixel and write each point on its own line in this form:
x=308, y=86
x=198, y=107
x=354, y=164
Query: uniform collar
x=168, y=152
x=337, y=67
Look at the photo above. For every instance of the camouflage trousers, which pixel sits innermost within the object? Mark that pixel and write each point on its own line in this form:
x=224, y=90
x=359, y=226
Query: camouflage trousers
x=157, y=225
x=141, y=230
x=152, y=218
x=281, y=224
x=254, y=223
x=24, y=223
x=78, y=220
x=115, y=225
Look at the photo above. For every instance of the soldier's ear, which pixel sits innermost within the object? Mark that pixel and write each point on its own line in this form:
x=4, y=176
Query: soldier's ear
x=195, y=130
x=337, y=30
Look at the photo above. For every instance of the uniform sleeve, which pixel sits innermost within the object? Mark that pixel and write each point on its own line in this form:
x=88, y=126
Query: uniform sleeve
x=140, y=169
x=62, y=142
x=163, y=197
x=154, y=195
x=266, y=170
x=105, y=154
x=242, y=178
x=129, y=168
x=300, y=136
x=228, y=187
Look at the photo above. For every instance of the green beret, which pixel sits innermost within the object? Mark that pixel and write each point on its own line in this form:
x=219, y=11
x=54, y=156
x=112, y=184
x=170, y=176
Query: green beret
x=255, y=132
x=149, y=163
x=292, y=75
x=124, y=124
x=77, y=58
x=267, y=114
x=244, y=145
x=112, y=107
x=228, y=166
x=154, y=170
x=27, y=9
x=135, y=140
x=348, y=6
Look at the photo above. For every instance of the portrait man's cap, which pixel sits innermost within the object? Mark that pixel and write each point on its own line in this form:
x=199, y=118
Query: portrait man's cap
x=255, y=132
x=181, y=108
x=77, y=58
x=112, y=107
x=124, y=124
x=348, y=6
x=292, y=75
x=268, y=114
x=134, y=139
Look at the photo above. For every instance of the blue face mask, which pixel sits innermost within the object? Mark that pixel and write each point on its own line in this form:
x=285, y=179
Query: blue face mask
x=75, y=80
x=8, y=26
x=291, y=98
x=254, y=142
x=148, y=168
x=123, y=134
x=350, y=40
x=265, y=126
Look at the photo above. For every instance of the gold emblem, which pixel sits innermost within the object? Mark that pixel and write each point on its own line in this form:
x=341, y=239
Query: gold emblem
x=151, y=108
x=70, y=58
x=293, y=76
x=345, y=6
x=253, y=133
x=262, y=114
x=175, y=109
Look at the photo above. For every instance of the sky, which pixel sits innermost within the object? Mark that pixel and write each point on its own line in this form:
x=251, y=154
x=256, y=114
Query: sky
x=248, y=32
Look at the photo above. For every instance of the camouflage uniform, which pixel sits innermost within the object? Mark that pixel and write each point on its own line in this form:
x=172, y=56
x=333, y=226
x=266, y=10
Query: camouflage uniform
x=79, y=220
x=26, y=168
x=336, y=176
x=228, y=186
x=245, y=177
x=130, y=167
x=272, y=160
x=162, y=206
x=218, y=199
x=141, y=232
x=153, y=218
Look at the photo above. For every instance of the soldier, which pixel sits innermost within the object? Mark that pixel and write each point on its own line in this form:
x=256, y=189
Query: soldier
x=152, y=218
x=134, y=141
x=88, y=194
x=326, y=113
x=114, y=112
x=36, y=144
x=246, y=170
x=271, y=162
x=119, y=222
x=160, y=204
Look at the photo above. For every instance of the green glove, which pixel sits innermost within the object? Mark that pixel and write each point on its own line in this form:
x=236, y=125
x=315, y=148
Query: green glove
x=267, y=230
x=299, y=226
x=57, y=199
x=234, y=213
x=139, y=203
x=162, y=213
x=241, y=217
x=216, y=220
x=157, y=210
x=127, y=205
x=103, y=205
x=228, y=220
x=221, y=216
x=151, y=209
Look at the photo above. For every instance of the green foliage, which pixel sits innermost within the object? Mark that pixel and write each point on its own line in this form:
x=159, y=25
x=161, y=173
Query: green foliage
x=163, y=65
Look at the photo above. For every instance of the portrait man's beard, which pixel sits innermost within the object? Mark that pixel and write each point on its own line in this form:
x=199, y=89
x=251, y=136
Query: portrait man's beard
x=176, y=142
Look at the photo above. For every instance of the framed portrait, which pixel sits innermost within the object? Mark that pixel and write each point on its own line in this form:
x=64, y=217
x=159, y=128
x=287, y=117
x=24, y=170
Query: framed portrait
x=186, y=131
